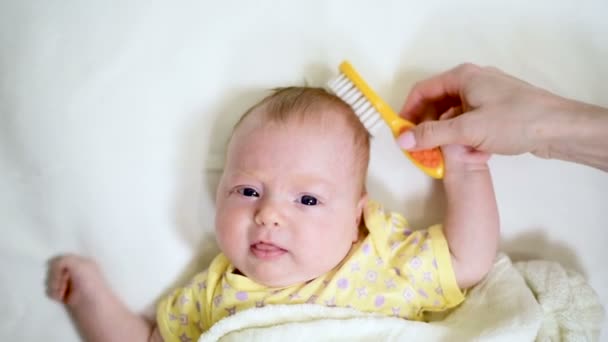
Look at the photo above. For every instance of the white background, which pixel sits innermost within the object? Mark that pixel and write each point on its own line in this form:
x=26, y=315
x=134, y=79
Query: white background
x=113, y=112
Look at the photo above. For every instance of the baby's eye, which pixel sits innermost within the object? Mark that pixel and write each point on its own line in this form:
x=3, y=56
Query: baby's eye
x=308, y=200
x=248, y=192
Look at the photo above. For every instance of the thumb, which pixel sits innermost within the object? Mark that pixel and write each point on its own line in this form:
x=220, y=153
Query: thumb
x=430, y=134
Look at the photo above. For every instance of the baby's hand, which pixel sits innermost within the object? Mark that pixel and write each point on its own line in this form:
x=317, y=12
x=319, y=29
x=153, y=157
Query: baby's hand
x=459, y=158
x=72, y=279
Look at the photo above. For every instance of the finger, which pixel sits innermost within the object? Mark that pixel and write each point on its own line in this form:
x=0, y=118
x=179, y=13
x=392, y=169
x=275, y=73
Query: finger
x=59, y=276
x=66, y=291
x=54, y=285
x=53, y=274
x=451, y=113
x=431, y=134
x=53, y=290
x=443, y=87
x=62, y=287
x=477, y=157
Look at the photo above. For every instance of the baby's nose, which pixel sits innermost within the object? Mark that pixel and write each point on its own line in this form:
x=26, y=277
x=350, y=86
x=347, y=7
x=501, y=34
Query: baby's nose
x=269, y=215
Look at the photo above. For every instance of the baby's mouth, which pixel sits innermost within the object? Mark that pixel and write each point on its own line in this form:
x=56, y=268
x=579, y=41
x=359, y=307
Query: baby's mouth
x=266, y=251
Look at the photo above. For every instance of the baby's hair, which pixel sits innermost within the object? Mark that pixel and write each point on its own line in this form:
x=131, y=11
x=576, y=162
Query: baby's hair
x=311, y=103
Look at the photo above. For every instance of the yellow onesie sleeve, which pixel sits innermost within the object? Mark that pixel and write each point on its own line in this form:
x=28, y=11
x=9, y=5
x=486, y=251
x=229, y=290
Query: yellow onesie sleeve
x=420, y=258
x=178, y=316
x=428, y=265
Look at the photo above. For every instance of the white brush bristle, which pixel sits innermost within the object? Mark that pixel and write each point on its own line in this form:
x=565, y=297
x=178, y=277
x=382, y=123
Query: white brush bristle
x=342, y=87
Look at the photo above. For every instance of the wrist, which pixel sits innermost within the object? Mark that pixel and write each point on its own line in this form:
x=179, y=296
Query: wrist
x=87, y=298
x=465, y=173
x=566, y=124
x=549, y=122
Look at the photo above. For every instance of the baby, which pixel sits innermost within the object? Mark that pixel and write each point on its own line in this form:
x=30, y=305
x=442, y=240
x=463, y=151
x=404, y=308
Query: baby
x=295, y=226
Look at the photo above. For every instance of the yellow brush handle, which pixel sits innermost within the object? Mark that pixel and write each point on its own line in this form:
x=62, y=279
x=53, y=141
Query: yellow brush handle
x=396, y=123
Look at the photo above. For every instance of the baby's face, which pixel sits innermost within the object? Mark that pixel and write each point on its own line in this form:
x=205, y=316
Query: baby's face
x=289, y=201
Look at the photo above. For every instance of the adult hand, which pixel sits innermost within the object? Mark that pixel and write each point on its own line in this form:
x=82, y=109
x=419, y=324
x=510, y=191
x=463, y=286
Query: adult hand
x=490, y=111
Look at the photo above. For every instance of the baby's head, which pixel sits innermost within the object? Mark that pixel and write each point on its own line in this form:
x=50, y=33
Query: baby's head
x=290, y=200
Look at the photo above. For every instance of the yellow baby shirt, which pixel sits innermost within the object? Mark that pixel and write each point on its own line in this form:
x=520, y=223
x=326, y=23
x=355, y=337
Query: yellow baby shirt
x=393, y=270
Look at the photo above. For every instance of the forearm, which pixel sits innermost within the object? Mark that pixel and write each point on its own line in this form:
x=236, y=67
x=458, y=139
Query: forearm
x=576, y=132
x=108, y=320
x=471, y=224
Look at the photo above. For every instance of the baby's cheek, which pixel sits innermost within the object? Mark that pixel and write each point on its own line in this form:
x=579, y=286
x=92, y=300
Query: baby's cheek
x=331, y=247
x=226, y=229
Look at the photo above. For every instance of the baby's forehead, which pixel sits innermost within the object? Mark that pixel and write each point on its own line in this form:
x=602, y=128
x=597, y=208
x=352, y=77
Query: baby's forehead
x=324, y=120
x=288, y=133
x=292, y=139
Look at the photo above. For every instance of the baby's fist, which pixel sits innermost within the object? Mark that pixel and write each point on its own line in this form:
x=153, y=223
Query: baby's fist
x=464, y=158
x=72, y=278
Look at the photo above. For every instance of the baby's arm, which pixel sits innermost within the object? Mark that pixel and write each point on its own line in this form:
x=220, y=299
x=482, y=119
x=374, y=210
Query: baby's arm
x=471, y=225
x=98, y=314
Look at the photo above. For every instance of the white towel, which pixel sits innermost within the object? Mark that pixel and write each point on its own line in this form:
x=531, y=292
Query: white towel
x=503, y=307
x=571, y=309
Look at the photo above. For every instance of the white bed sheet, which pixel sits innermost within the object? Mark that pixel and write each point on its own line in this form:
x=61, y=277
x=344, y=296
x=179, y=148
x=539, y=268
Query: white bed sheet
x=114, y=115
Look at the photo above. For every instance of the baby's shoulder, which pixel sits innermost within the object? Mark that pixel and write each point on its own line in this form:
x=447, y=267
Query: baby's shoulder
x=376, y=216
x=218, y=266
x=383, y=225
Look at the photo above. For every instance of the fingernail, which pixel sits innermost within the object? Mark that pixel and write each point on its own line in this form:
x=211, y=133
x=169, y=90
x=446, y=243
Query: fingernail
x=406, y=140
